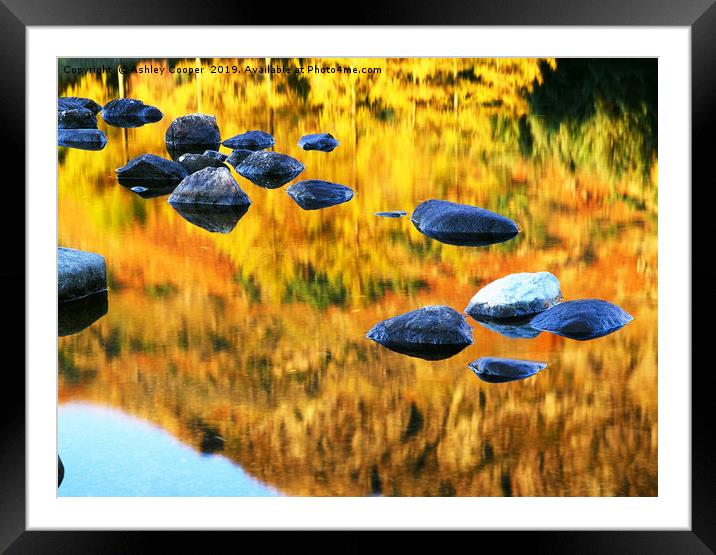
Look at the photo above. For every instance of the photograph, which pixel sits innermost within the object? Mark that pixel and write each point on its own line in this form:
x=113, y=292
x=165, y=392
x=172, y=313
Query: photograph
x=355, y=277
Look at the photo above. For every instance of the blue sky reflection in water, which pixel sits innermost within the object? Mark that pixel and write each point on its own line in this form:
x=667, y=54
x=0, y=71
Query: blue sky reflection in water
x=103, y=448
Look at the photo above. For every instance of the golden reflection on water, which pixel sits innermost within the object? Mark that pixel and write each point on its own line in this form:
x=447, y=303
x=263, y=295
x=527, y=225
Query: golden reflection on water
x=258, y=334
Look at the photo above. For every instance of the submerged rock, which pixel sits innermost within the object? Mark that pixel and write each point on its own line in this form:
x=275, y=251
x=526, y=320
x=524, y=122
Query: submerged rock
x=213, y=218
x=462, y=224
x=251, y=140
x=129, y=112
x=83, y=139
x=269, y=169
x=516, y=328
x=221, y=157
x=79, y=274
x=209, y=186
x=430, y=332
x=325, y=142
x=582, y=319
x=500, y=370
x=73, y=102
x=76, y=118
x=313, y=194
x=60, y=471
x=74, y=316
x=194, y=162
x=516, y=295
x=391, y=214
x=238, y=156
x=150, y=171
x=139, y=189
x=193, y=133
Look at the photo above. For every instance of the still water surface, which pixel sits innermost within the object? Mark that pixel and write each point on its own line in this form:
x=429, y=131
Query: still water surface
x=235, y=364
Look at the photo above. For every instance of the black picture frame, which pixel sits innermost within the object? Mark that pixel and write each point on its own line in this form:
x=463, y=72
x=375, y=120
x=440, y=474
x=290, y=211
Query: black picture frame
x=698, y=15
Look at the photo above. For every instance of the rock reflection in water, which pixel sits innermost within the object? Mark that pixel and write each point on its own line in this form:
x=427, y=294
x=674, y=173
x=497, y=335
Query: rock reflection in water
x=213, y=218
x=74, y=316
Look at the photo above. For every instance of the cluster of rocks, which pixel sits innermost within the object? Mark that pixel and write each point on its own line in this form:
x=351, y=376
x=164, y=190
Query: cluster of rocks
x=517, y=305
x=77, y=119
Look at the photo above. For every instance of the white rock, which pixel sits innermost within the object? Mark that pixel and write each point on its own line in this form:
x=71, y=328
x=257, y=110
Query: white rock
x=515, y=295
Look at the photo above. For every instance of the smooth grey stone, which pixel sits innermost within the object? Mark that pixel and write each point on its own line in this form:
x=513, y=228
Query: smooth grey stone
x=251, y=140
x=325, y=142
x=516, y=295
x=269, y=169
x=150, y=171
x=76, y=118
x=462, y=224
x=213, y=218
x=79, y=274
x=72, y=102
x=516, y=328
x=60, y=471
x=430, y=332
x=500, y=370
x=313, y=194
x=582, y=319
x=82, y=139
x=216, y=155
x=74, y=316
x=193, y=133
x=209, y=186
x=238, y=156
x=194, y=162
x=391, y=214
x=129, y=112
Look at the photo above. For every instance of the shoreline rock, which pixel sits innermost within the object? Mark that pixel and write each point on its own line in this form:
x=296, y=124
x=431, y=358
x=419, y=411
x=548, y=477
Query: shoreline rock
x=79, y=274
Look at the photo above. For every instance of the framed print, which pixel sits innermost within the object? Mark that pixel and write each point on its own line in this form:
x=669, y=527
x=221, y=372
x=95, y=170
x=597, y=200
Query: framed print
x=402, y=277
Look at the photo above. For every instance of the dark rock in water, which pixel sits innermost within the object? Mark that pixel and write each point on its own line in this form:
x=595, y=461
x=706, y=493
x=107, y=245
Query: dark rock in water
x=582, y=319
x=156, y=190
x=74, y=316
x=129, y=112
x=76, y=118
x=500, y=370
x=516, y=328
x=325, y=142
x=216, y=155
x=391, y=214
x=209, y=186
x=213, y=218
x=269, y=169
x=194, y=162
x=313, y=194
x=461, y=224
x=60, y=471
x=516, y=295
x=79, y=274
x=431, y=332
x=150, y=171
x=73, y=102
x=238, y=156
x=83, y=139
x=251, y=140
x=193, y=133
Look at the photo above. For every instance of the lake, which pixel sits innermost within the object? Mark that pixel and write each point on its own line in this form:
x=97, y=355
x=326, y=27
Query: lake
x=236, y=364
